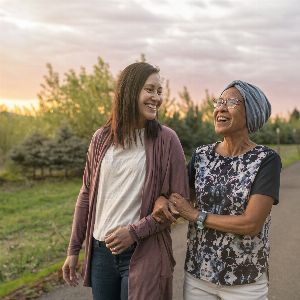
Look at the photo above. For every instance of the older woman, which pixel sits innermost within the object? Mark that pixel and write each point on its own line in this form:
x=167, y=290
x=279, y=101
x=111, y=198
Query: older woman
x=235, y=183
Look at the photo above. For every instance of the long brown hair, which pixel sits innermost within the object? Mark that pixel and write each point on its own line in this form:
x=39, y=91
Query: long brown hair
x=125, y=111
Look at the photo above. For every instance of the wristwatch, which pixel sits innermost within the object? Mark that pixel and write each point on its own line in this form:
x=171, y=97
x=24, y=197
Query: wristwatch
x=201, y=219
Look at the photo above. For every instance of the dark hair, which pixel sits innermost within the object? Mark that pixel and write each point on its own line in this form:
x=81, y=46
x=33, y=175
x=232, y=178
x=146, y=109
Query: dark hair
x=125, y=111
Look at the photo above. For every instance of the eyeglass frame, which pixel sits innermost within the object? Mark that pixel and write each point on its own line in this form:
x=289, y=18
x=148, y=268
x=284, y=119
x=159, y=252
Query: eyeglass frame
x=225, y=101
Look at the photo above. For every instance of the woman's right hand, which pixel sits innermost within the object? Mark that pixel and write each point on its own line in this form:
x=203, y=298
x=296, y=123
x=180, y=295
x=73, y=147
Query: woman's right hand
x=69, y=270
x=162, y=212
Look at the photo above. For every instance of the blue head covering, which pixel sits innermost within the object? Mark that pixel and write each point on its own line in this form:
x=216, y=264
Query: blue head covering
x=258, y=108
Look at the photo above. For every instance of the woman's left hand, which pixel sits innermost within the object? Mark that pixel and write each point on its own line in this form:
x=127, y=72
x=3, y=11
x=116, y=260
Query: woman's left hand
x=119, y=240
x=184, y=207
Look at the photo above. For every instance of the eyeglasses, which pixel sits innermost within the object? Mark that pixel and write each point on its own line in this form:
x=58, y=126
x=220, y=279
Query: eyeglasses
x=230, y=102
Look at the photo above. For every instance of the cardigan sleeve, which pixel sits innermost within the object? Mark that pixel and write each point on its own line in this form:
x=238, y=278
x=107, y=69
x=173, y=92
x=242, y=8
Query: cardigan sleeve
x=174, y=181
x=82, y=207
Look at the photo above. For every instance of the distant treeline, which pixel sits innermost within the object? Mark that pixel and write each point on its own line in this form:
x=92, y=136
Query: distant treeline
x=54, y=138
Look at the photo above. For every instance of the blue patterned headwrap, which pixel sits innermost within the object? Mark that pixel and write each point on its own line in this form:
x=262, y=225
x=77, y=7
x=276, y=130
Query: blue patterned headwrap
x=258, y=108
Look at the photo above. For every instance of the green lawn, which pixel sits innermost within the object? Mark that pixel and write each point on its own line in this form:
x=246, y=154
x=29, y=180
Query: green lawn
x=288, y=153
x=35, y=223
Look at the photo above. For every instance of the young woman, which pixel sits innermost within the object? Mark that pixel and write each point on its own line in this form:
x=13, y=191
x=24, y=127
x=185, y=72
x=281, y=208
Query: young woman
x=131, y=162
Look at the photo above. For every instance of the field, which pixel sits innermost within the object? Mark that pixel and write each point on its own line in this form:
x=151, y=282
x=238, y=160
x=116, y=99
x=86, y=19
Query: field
x=35, y=220
x=35, y=223
x=288, y=153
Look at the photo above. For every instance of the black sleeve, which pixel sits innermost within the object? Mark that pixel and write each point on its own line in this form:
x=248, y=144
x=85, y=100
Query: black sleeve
x=267, y=180
x=192, y=171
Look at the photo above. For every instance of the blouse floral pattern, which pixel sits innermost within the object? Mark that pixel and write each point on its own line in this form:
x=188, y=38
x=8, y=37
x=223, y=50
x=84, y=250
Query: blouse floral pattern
x=222, y=186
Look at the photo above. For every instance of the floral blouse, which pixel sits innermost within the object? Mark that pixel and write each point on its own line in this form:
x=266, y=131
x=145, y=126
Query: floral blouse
x=223, y=186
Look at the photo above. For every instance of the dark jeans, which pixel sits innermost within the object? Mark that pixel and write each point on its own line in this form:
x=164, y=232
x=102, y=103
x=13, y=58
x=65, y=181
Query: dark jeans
x=109, y=273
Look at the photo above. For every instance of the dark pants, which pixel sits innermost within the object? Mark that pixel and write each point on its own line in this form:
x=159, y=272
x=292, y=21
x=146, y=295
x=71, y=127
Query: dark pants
x=109, y=273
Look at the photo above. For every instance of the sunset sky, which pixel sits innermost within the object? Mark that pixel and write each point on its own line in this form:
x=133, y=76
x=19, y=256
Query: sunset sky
x=201, y=44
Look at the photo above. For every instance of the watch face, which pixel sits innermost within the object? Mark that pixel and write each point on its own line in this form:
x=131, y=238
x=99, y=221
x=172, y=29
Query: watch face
x=200, y=225
x=201, y=220
x=202, y=217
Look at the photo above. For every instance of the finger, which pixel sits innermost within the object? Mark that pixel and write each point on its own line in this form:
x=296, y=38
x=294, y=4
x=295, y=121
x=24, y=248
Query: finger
x=169, y=216
x=158, y=219
x=112, y=244
x=172, y=200
x=173, y=210
x=163, y=215
x=119, y=249
x=73, y=276
x=109, y=239
x=66, y=275
x=115, y=250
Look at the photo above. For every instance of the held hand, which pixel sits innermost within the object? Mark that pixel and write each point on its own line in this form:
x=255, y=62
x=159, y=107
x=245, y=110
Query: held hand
x=173, y=210
x=119, y=240
x=69, y=270
x=184, y=207
x=161, y=212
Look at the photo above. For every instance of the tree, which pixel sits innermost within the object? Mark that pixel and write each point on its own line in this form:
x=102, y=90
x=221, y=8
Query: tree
x=31, y=153
x=167, y=107
x=66, y=151
x=295, y=115
x=83, y=101
x=14, y=127
x=142, y=58
x=187, y=119
x=207, y=107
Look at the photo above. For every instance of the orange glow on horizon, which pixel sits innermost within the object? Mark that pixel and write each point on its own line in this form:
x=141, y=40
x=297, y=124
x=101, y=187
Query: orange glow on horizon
x=19, y=103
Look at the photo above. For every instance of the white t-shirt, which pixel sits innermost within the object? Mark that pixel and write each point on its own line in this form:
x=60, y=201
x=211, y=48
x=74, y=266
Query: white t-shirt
x=121, y=182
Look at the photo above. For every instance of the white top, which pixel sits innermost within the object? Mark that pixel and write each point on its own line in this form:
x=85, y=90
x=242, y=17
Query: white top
x=121, y=181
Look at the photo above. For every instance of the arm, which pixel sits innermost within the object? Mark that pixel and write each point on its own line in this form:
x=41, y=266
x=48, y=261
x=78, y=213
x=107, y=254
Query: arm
x=81, y=208
x=145, y=227
x=164, y=210
x=249, y=223
x=78, y=226
x=264, y=194
x=174, y=180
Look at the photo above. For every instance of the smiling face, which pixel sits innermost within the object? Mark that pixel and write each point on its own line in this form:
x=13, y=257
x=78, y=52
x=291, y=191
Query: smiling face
x=150, y=99
x=229, y=121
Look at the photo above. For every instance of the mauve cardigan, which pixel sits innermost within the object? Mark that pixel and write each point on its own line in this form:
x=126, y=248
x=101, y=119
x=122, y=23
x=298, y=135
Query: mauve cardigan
x=152, y=263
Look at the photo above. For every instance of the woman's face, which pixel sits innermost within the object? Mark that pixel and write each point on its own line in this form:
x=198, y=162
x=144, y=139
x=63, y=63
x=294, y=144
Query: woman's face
x=230, y=120
x=150, y=99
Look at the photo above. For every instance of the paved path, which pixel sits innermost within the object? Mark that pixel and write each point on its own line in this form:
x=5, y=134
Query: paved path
x=285, y=239
x=285, y=248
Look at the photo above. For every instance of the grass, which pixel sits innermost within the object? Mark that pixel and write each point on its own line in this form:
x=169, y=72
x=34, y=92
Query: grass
x=28, y=279
x=35, y=224
x=28, y=283
x=289, y=154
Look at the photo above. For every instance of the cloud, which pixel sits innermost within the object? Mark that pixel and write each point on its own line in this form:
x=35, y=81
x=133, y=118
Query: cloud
x=201, y=44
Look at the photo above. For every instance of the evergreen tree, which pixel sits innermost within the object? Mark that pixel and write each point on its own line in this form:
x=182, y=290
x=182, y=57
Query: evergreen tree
x=295, y=115
x=66, y=151
x=31, y=154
